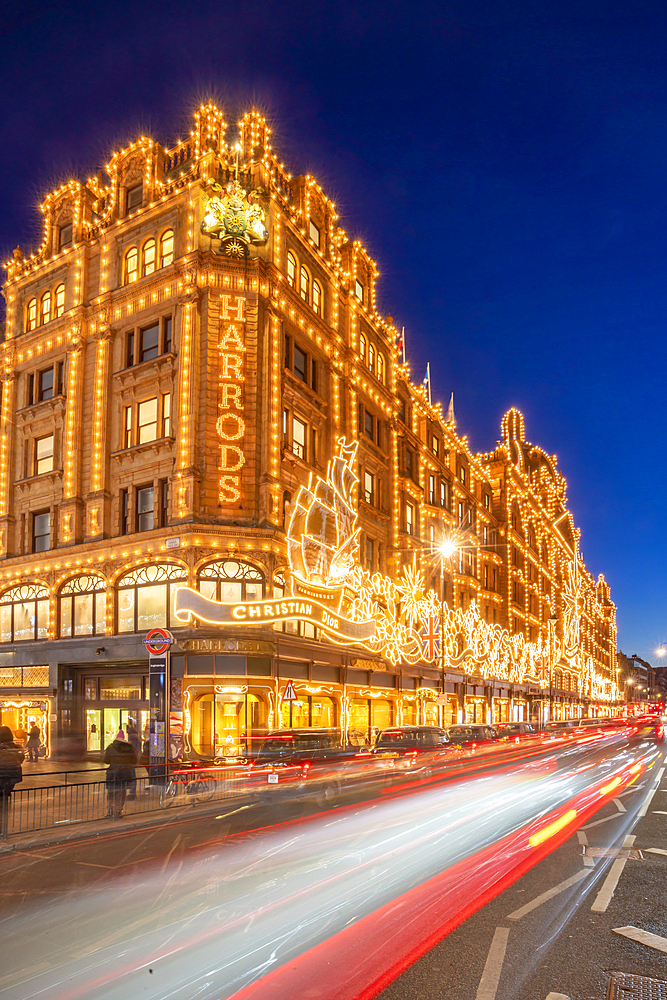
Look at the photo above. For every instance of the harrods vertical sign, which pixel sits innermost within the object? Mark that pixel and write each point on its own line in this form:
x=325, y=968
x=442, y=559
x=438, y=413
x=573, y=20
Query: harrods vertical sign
x=230, y=423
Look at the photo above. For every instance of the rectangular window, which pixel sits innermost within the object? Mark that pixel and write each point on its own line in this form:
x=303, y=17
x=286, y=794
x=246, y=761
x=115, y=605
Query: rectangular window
x=487, y=501
x=166, y=331
x=444, y=493
x=314, y=233
x=288, y=352
x=65, y=236
x=368, y=487
x=486, y=578
x=30, y=390
x=147, y=421
x=124, y=512
x=300, y=364
x=129, y=350
x=299, y=431
x=313, y=375
x=370, y=554
x=313, y=446
x=431, y=489
x=164, y=503
x=485, y=532
x=45, y=384
x=286, y=428
x=59, y=378
x=409, y=463
x=460, y=513
x=409, y=519
x=127, y=427
x=145, y=508
x=134, y=197
x=435, y=445
x=359, y=290
x=495, y=578
x=368, y=424
x=149, y=342
x=41, y=531
x=90, y=688
x=166, y=415
x=44, y=454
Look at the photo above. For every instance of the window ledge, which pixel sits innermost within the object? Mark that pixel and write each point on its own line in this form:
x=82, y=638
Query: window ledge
x=52, y=476
x=156, y=445
x=33, y=410
x=145, y=368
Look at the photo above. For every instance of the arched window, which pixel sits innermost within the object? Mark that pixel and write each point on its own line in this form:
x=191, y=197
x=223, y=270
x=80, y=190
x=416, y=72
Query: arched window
x=31, y=315
x=59, y=296
x=371, y=357
x=83, y=606
x=381, y=367
x=145, y=597
x=291, y=269
x=24, y=613
x=167, y=248
x=230, y=581
x=148, y=257
x=317, y=298
x=131, y=266
x=304, y=284
x=362, y=346
x=45, y=308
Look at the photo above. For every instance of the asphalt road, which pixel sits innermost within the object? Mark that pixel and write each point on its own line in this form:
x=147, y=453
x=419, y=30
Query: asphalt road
x=562, y=945
x=112, y=912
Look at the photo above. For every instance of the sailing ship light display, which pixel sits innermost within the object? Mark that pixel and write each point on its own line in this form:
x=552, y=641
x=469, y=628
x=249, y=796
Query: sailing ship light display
x=399, y=620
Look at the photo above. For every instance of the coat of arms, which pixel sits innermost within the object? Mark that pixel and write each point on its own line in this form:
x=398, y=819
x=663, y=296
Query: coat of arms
x=235, y=218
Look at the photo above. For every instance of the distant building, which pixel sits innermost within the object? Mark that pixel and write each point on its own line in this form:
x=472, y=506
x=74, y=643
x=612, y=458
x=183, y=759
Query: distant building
x=182, y=354
x=641, y=684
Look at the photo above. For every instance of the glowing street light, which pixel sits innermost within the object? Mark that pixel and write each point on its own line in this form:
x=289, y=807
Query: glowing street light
x=447, y=549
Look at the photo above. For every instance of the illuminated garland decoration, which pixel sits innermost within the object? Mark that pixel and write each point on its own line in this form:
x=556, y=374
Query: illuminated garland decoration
x=401, y=620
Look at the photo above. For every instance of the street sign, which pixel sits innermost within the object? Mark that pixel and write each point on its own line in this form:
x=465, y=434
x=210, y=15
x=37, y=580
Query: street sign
x=158, y=640
x=289, y=694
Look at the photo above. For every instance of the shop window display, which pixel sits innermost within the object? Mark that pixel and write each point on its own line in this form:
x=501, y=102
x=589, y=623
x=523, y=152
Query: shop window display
x=83, y=606
x=146, y=596
x=24, y=613
x=370, y=715
x=229, y=581
x=224, y=724
x=314, y=711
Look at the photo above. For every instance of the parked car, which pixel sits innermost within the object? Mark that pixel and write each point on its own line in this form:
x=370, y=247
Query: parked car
x=295, y=763
x=472, y=734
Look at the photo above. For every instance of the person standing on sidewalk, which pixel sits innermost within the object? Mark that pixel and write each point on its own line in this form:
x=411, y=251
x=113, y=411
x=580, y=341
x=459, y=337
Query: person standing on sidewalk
x=121, y=758
x=133, y=740
x=11, y=758
x=34, y=739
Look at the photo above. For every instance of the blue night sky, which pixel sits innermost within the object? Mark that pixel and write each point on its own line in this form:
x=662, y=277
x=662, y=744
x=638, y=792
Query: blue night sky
x=504, y=163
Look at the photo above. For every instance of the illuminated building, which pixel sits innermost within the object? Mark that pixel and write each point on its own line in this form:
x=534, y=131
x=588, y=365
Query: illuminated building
x=183, y=352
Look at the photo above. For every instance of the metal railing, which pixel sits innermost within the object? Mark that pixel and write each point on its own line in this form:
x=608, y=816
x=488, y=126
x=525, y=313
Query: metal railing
x=28, y=810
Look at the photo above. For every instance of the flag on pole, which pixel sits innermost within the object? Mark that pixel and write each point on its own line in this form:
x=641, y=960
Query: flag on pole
x=427, y=382
x=450, y=418
x=400, y=344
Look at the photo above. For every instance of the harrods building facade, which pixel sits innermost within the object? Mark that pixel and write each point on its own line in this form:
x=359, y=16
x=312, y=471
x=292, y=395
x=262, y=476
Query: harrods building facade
x=167, y=388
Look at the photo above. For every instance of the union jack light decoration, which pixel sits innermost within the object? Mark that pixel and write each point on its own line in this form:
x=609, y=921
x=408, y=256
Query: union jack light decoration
x=431, y=639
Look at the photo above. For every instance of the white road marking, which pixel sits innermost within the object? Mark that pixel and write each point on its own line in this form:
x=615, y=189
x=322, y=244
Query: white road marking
x=655, y=850
x=643, y=937
x=557, y=996
x=549, y=894
x=582, y=838
x=659, y=812
x=488, y=984
x=619, y=805
x=650, y=794
x=597, y=822
x=603, y=898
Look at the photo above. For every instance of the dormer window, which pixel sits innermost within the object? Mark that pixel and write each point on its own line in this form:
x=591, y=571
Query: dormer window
x=135, y=196
x=314, y=233
x=359, y=290
x=65, y=236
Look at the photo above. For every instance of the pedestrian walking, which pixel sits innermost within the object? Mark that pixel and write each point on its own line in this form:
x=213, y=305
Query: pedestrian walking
x=135, y=743
x=11, y=758
x=34, y=739
x=121, y=758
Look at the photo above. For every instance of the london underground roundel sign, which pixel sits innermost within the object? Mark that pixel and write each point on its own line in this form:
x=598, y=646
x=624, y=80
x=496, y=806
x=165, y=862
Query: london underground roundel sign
x=158, y=640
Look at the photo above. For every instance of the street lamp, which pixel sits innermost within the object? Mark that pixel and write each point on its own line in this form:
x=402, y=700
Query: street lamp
x=446, y=549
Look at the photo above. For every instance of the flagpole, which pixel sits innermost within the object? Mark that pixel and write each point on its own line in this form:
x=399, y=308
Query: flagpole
x=403, y=343
x=428, y=376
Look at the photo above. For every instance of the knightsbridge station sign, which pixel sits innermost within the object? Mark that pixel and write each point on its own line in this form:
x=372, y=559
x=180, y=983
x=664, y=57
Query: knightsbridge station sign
x=396, y=619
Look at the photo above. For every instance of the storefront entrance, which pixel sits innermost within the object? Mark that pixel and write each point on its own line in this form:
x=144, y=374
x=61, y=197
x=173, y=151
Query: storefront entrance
x=102, y=724
x=476, y=709
x=21, y=715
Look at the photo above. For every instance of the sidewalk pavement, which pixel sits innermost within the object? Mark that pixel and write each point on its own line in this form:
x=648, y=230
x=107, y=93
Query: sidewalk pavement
x=42, y=773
